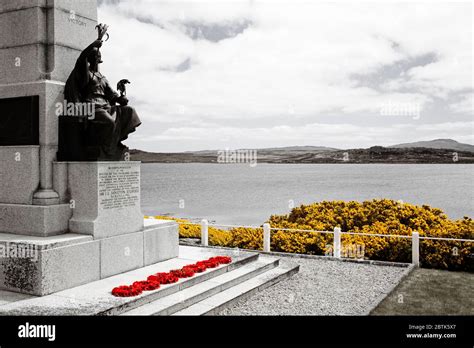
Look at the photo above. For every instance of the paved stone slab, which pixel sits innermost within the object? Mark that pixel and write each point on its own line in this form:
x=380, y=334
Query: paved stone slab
x=49, y=305
x=10, y=297
x=46, y=242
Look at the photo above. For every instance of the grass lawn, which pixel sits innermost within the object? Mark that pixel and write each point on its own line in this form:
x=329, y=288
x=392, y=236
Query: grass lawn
x=431, y=292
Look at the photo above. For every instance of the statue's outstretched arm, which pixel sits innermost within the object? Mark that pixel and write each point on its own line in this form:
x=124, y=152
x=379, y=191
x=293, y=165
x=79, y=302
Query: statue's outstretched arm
x=88, y=50
x=81, y=70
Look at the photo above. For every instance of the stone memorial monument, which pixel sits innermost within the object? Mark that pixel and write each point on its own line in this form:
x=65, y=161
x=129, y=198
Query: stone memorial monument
x=69, y=199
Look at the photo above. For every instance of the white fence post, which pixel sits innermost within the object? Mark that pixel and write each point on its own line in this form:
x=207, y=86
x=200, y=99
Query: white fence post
x=415, y=248
x=266, y=237
x=337, y=242
x=204, y=232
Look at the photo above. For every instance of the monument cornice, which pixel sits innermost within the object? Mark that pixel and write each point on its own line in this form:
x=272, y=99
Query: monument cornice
x=54, y=82
x=47, y=7
x=43, y=43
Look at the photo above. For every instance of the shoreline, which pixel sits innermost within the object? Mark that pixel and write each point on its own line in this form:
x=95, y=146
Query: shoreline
x=304, y=163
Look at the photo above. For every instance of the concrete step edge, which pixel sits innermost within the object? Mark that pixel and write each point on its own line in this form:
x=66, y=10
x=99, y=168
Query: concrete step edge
x=203, y=290
x=248, y=288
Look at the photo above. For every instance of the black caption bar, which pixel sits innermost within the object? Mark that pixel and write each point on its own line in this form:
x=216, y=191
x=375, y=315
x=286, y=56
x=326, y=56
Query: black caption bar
x=225, y=331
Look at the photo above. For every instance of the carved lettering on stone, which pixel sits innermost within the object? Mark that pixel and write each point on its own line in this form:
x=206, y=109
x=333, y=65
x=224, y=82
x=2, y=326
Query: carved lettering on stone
x=119, y=187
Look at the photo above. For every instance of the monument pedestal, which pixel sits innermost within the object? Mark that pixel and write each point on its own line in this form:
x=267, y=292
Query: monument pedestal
x=104, y=197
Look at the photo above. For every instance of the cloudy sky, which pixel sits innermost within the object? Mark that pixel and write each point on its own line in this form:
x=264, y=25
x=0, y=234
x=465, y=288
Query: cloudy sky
x=252, y=74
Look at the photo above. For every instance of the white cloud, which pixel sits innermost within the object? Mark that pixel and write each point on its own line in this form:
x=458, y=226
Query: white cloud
x=465, y=105
x=296, y=59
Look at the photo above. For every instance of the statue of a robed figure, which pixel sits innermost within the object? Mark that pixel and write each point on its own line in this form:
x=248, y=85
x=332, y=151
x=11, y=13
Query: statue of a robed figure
x=95, y=136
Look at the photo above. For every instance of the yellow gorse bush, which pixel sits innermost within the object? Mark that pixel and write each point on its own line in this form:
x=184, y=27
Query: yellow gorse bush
x=216, y=236
x=378, y=216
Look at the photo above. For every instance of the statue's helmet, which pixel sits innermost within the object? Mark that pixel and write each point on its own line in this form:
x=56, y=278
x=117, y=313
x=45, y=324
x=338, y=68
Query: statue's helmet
x=95, y=57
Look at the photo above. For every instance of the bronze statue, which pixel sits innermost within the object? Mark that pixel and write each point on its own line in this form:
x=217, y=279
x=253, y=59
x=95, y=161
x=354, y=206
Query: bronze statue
x=111, y=123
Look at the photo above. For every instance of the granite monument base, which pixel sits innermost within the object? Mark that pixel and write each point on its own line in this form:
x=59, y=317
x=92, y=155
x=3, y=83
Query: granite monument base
x=34, y=220
x=45, y=265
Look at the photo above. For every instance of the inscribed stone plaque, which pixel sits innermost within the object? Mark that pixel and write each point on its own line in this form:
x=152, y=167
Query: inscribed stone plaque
x=106, y=198
x=119, y=186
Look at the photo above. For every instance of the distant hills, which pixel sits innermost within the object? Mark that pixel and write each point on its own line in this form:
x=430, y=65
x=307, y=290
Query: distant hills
x=434, y=151
x=449, y=144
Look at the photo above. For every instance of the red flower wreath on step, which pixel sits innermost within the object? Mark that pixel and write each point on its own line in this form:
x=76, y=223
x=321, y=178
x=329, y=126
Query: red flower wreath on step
x=222, y=259
x=153, y=281
x=163, y=278
x=147, y=285
x=196, y=268
x=126, y=291
x=183, y=272
x=208, y=263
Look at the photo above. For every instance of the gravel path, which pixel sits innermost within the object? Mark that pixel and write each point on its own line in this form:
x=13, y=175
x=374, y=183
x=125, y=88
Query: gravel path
x=323, y=287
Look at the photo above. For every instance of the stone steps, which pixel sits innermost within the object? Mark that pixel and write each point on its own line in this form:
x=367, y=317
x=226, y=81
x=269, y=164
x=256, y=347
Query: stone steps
x=183, y=284
x=213, y=294
x=213, y=304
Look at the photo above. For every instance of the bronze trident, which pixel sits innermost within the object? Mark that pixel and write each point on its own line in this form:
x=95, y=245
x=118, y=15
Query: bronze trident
x=102, y=29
